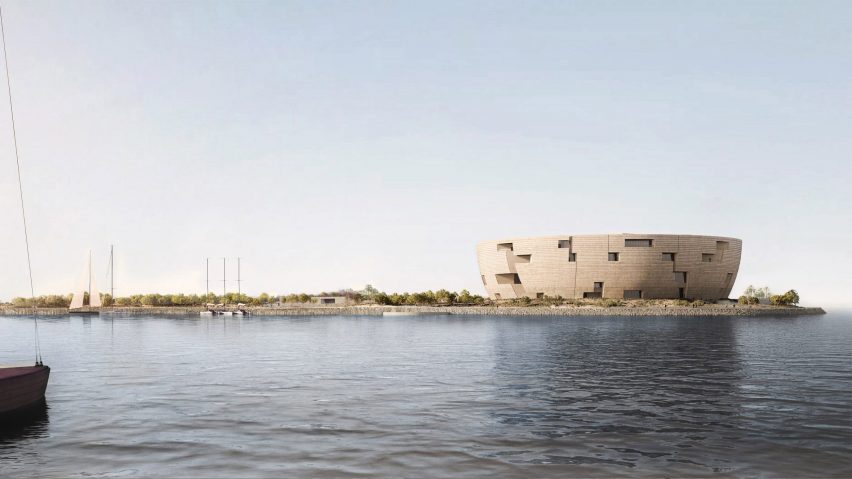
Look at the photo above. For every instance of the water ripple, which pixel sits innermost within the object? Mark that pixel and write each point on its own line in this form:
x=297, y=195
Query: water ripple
x=436, y=397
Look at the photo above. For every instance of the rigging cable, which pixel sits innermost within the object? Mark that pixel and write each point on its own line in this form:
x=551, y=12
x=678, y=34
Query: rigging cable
x=20, y=187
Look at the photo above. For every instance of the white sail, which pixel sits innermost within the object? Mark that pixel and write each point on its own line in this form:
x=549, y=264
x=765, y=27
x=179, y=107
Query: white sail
x=77, y=301
x=94, y=295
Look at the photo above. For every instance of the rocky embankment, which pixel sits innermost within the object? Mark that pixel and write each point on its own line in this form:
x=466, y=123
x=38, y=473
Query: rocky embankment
x=376, y=310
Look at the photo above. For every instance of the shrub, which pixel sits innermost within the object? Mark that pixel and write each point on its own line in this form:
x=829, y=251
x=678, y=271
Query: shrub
x=748, y=300
x=789, y=298
x=698, y=302
x=611, y=303
x=47, y=301
x=522, y=301
x=681, y=302
x=551, y=300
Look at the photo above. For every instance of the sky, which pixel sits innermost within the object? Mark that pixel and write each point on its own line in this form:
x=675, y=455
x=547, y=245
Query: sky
x=335, y=144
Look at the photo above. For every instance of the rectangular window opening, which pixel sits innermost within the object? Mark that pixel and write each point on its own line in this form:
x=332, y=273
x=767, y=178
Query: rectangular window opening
x=564, y=244
x=668, y=256
x=638, y=243
x=722, y=245
x=681, y=293
x=598, y=287
x=632, y=294
x=483, y=279
x=613, y=256
x=508, y=278
x=591, y=295
x=706, y=258
x=680, y=276
x=539, y=295
x=505, y=247
x=572, y=257
x=524, y=258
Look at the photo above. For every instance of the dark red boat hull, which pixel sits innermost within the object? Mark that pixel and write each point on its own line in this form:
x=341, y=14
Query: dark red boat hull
x=22, y=387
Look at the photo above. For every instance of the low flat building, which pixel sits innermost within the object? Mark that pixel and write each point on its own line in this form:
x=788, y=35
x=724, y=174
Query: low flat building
x=331, y=300
x=622, y=266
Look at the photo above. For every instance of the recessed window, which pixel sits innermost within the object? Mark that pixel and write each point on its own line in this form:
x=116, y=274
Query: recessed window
x=681, y=293
x=680, y=276
x=706, y=258
x=508, y=278
x=632, y=294
x=483, y=279
x=668, y=256
x=591, y=295
x=598, y=287
x=728, y=278
x=572, y=257
x=564, y=243
x=539, y=295
x=638, y=243
x=613, y=256
x=523, y=258
x=722, y=245
x=505, y=247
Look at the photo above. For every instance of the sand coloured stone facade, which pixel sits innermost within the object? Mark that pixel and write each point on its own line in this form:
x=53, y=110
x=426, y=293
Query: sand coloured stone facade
x=622, y=266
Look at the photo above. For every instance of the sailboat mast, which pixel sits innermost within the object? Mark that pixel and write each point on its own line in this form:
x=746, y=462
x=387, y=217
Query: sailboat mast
x=224, y=274
x=208, y=277
x=239, y=290
x=111, y=272
x=90, y=277
x=20, y=187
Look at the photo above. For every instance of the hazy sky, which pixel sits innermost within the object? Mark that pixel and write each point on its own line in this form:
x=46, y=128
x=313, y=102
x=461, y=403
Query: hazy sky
x=334, y=144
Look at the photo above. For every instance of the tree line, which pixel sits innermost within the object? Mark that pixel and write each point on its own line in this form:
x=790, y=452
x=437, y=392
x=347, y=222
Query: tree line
x=753, y=295
x=368, y=295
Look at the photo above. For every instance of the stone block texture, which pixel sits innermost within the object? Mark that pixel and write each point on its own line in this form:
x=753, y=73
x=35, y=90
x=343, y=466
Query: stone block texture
x=622, y=266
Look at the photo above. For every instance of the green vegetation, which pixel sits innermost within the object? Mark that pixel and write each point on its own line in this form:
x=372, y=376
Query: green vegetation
x=47, y=301
x=155, y=299
x=787, y=299
x=368, y=295
x=748, y=300
x=752, y=296
x=440, y=297
x=371, y=295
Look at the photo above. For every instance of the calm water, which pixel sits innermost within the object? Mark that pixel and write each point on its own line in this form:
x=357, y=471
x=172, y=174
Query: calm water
x=441, y=396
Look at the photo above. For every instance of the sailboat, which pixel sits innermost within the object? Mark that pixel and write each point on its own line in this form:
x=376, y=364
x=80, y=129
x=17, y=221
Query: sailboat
x=21, y=388
x=77, y=306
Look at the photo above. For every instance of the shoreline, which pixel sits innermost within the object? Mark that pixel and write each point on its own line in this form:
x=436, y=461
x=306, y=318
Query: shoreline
x=375, y=310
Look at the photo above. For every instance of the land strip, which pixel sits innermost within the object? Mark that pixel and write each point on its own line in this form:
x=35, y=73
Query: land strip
x=376, y=310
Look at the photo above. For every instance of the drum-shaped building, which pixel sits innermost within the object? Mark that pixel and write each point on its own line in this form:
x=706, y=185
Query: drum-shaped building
x=623, y=266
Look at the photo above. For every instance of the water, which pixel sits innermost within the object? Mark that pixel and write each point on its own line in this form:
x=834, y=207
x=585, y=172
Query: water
x=441, y=396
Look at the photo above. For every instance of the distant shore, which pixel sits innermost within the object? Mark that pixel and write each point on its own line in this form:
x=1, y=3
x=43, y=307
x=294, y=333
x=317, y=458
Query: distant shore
x=377, y=310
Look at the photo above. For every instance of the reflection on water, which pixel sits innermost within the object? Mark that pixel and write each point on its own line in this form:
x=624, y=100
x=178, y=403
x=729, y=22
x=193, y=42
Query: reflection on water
x=24, y=425
x=621, y=393
x=437, y=396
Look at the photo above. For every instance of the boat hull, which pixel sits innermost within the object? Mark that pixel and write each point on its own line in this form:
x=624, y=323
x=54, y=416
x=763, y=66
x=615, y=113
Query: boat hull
x=22, y=388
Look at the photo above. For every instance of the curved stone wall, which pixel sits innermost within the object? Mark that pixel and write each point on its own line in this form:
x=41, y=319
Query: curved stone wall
x=619, y=266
